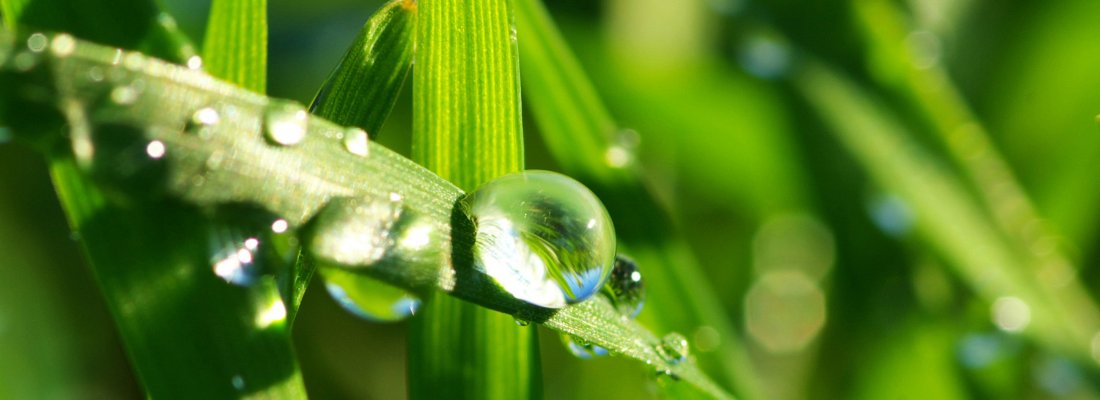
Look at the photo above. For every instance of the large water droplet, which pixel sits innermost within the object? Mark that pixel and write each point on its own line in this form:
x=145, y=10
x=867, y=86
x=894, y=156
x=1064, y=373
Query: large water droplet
x=543, y=236
x=674, y=348
x=368, y=298
x=126, y=163
x=582, y=348
x=285, y=122
x=355, y=231
x=626, y=286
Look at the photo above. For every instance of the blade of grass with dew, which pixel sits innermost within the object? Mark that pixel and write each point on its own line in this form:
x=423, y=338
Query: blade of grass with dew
x=579, y=132
x=363, y=88
x=151, y=261
x=946, y=216
x=238, y=165
x=235, y=48
x=970, y=146
x=467, y=129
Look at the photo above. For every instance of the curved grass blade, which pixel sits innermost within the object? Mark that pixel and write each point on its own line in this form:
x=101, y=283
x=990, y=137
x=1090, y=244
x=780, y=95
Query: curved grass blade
x=949, y=219
x=363, y=88
x=235, y=48
x=295, y=182
x=580, y=131
x=467, y=128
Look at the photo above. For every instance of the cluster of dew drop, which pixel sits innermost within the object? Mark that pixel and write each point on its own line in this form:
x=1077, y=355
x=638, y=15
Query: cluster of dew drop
x=543, y=237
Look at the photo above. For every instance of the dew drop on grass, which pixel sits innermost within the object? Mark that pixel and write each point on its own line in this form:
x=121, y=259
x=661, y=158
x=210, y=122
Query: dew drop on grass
x=202, y=122
x=581, y=348
x=674, y=348
x=243, y=247
x=522, y=322
x=544, y=237
x=626, y=287
x=285, y=122
x=368, y=298
x=355, y=231
x=357, y=142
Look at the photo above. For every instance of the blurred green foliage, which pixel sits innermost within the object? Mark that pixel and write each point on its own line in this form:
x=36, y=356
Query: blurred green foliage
x=733, y=147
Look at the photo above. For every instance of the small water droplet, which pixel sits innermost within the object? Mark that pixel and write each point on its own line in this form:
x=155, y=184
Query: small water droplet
x=626, y=286
x=238, y=382
x=63, y=45
x=241, y=247
x=544, y=237
x=37, y=42
x=195, y=62
x=582, y=348
x=368, y=298
x=522, y=322
x=357, y=142
x=279, y=226
x=285, y=122
x=124, y=95
x=618, y=157
x=674, y=348
x=202, y=122
x=765, y=56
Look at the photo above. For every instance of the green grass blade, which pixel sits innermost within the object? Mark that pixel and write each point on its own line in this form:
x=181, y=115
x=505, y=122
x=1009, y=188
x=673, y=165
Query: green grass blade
x=363, y=88
x=467, y=128
x=250, y=170
x=579, y=132
x=235, y=48
x=947, y=217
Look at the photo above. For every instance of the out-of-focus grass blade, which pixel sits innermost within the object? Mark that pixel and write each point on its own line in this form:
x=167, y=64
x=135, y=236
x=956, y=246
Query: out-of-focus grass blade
x=188, y=333
x=130, y=24
x=467, y=129
x=947, y=217
x=363, y=88
x=235, y=48
x=250, y=170
x=580, y=132
x=929, y=90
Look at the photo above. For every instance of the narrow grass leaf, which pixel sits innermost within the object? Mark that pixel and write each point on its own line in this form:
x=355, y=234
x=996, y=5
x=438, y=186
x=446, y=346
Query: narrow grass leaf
x=580, y=132
x=235, y=48
x=363, y=88
x=467, y=129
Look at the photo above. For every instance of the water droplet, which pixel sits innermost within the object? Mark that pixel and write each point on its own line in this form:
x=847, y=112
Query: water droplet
x=1010, y=314
x=368, y=298
x=522, y=322
x=238, y=382
x=355, y=231
x=582, y=348
x=357, y=142
x=202, y=122
x=63, y=45
x=285, y=122
x=124, y=95
x=544, y=237
x=891, y=214
x=626, y=286
x=241, y=247
x=195, y=62
x=126, y=163
x=279, y=226
x=674, y=348
x=618, y=157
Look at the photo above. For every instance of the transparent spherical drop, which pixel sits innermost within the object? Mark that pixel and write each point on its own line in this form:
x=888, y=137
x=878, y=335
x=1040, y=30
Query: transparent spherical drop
x=544, y=237
x=581, y=348
x=626, y=287
x=368, y=298
x=285, y=122
x=355, y=231
x=242, y=245
x=674, y=348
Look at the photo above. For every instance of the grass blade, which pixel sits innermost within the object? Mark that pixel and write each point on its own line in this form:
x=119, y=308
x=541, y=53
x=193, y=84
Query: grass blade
x=579, y=132
x=363, y=88
x=467, y=129
x=235, y=48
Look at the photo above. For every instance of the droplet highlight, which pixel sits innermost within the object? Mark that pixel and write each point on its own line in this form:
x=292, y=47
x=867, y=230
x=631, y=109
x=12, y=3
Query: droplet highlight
x=544, y=237
x=357, y=142
x=285, y=122
x=355, y=231
x=674, y=348
x=582, y=348
x=368, y=298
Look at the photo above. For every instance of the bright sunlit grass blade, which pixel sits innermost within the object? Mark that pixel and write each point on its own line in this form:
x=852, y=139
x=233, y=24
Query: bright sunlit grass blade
x=235, y=48
x=947, y=217
x=580, y=133
x=467, y=129
x=363, y=88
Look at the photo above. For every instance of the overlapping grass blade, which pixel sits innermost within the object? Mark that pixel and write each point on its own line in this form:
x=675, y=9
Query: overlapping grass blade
x=467, y=128
x=188, y=333
x=235, y=48
x=363, y=88
x=580, y=132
